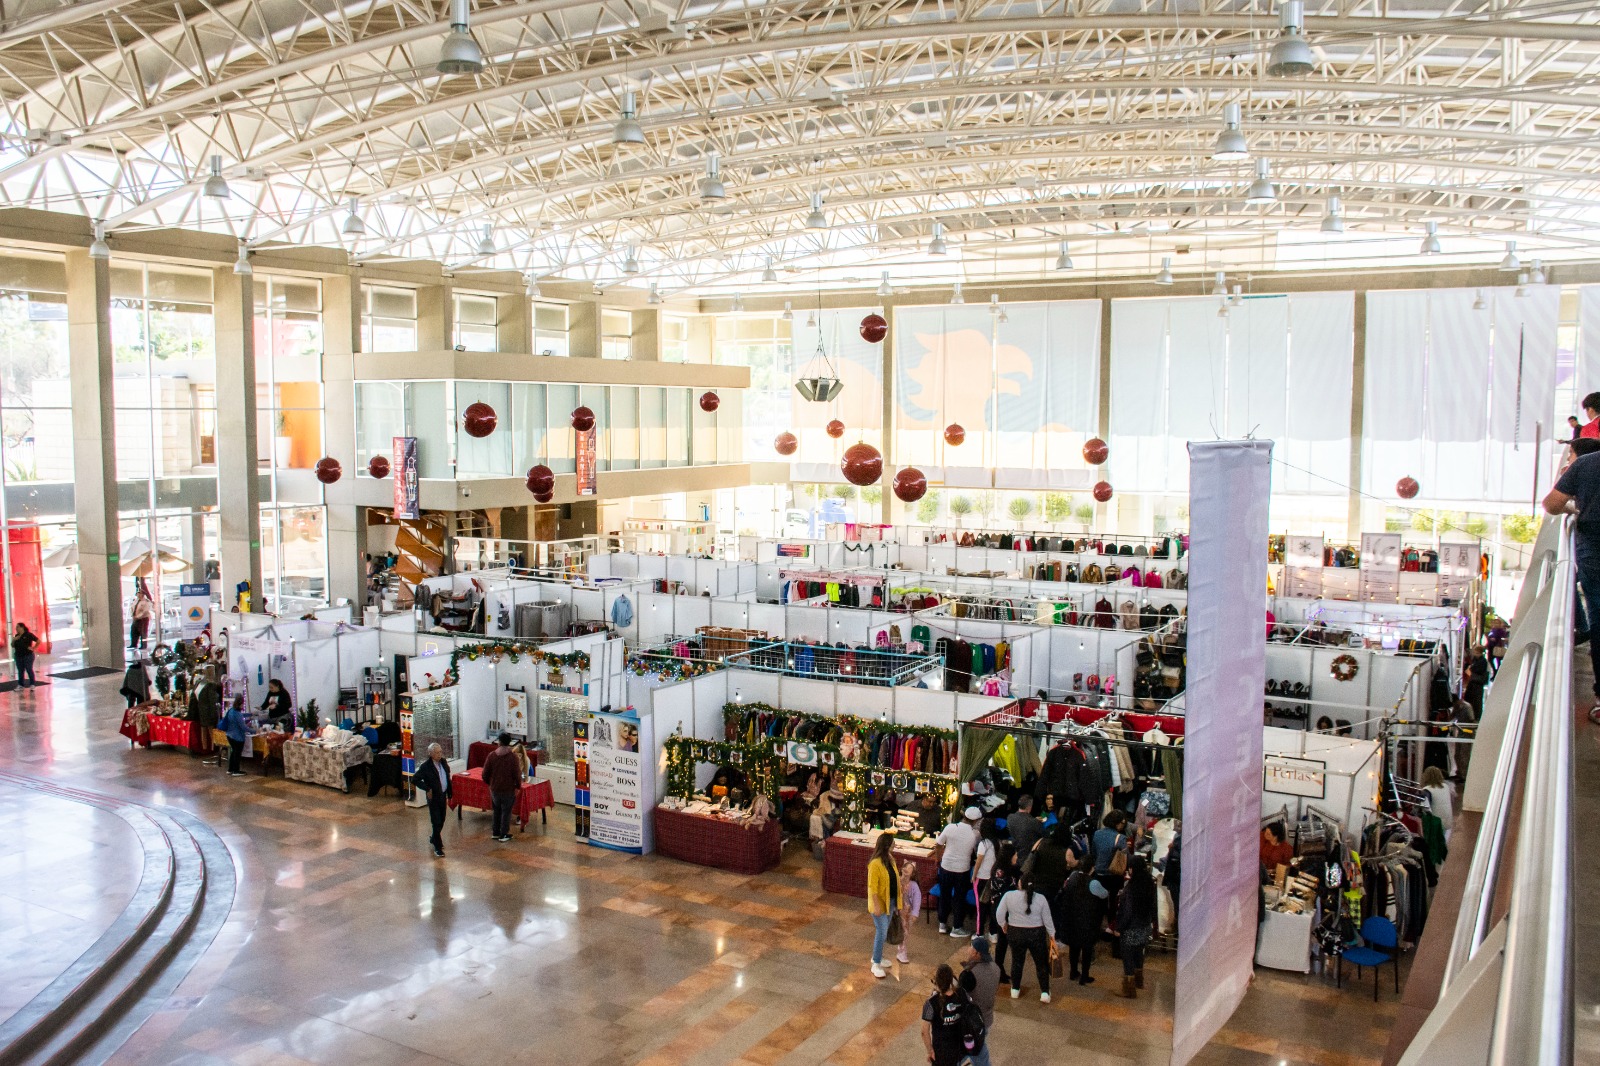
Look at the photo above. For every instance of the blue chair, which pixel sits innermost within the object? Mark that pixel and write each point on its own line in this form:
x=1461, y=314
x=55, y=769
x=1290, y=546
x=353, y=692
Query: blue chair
x=1377, y=933
x=931, y=904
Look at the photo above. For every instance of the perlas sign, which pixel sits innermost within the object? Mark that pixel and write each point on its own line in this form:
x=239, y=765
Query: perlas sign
x=1295, y=777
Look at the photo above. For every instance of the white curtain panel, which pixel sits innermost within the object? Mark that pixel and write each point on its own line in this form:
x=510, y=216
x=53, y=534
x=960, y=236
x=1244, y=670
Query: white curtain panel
x=1277, y=367
x=1454, y=397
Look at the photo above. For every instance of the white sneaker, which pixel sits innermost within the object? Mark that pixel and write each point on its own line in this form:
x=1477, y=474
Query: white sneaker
x=1044, y=997
x=879, y=971
x=943, y=928
x=1016, y=993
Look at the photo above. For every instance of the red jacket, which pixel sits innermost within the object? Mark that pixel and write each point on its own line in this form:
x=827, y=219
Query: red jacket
x=502, y=772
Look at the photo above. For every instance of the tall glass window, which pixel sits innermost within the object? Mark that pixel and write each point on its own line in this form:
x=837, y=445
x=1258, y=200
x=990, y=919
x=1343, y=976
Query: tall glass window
x=763, y=343
x=388, y=319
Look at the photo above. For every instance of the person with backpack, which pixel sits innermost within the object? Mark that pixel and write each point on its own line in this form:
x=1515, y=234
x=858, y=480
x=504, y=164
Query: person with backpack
x=952, y=1024
x=1029, y=928
x=980, y=979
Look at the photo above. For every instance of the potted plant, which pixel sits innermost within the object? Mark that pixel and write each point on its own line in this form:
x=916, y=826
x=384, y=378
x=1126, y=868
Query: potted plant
x=308, y=717
x=282, y=443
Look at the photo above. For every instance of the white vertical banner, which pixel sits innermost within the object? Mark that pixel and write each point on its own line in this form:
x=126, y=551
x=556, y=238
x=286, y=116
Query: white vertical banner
x=1229, y=487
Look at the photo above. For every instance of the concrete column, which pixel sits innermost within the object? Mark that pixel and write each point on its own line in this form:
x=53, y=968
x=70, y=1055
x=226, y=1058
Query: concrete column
x=644, y=344
x=94, y=458
x=238, y=472
x=514, y=325
x=1358, y=373
x=583, y=329
x=436, y=317
x=702, y=338
x=1101, y=510
x=346, y=526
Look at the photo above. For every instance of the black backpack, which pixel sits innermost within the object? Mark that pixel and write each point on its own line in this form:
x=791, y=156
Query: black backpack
x=973, y=1031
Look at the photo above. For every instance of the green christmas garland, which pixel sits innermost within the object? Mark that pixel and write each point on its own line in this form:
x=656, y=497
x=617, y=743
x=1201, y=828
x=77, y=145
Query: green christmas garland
x=670, y=667
x=514, y=650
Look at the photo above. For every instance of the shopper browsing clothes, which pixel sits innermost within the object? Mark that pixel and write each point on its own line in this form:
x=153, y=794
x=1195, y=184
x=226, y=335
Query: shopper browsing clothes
x=1136, y=920
x=1025, y=917
x=432, y=779
x=234, y=729
x=22, y=644
x=885, y=897
x=503, y=774
x=952, y=1025
x=957, y=844
x=1079, y=915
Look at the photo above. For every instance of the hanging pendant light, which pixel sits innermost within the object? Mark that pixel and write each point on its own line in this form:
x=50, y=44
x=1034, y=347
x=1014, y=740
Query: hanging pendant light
x=533, y=285
x=627, y=129
x=216, y=186
x=884, y=288
x=655, y=294
x=1511, y=264
x=1479, y=303
x=1063, y=260
x=956, y=296
x=1238, y=295
x=1231, y=146
x=98, y=248
x=788, y=311
x=738, y=303
x=353, y=226
x=1291, y=56
x=1223, y=309
x=1538, y=276
x=1219, y=284
x=1002, y=317
x=241, y=266
x=1430, y=240
x=630, y=264
x=994, y=304
x=770, y=274
x=1522, y=285
x=937, y=246
x=460, y=53
x=1333, y=218
x=816, y=219
x=811, y=320
x=1164, y=276
x=1261, y=191
x=711, y=186
x=486, y=242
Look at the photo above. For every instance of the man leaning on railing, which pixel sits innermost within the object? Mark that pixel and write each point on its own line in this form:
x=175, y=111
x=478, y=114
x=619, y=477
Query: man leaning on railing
x=1577, y=492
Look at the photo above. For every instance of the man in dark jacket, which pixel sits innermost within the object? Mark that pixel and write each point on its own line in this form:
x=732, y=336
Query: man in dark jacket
x=502, y=772
x=433, y=780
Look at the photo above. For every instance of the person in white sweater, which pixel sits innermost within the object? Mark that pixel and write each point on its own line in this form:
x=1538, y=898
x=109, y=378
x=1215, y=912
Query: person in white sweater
x=1025, y=917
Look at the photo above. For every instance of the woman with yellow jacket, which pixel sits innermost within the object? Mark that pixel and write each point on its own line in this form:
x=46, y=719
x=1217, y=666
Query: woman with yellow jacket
x=886, y=896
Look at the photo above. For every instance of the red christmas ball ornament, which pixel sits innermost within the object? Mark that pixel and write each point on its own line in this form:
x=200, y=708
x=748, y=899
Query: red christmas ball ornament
x=378, y=467
x=786, y=443
x=910, y=484
x=541, y=479
x=1407, y=488
x=874, y=328
x=1102, y=491
x=862, y=465
x=582, y=419
x=479, y=419
x=543, y=497
x=835, y=429
x=710, y=401
x=954, y=434
x=329, y=470
x=1095, y=451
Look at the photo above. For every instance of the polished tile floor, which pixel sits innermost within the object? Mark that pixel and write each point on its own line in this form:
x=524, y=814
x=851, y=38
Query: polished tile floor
x=350, y=944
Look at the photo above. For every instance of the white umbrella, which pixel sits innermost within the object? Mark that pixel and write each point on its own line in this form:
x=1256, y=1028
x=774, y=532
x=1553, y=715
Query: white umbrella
x=145, y=564
x=66, y=555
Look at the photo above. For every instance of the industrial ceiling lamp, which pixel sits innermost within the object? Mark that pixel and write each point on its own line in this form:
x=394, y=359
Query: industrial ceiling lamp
x=1522, y=285
x=994, y=304
x=98, y=248
x=630, y=264
x=1164, y=276
x=1219, y=284
x=738, y=304
x=1333, y=218
x=242, y=264
x=655, y=294
x=711, y=186
x=1538, y=275
x=1261, y=191
x=353, y=226
x=216, y=185
x=884, y=288
x=1223, y=308
x=460, y=54
x=1238, y=295
x=1479, y=303
x=628, y=130
x=816, y=219
x=770, y=274
x=1063, y=260
x=1291, y=56
x=1430, y=239
x=486, y=242
x=937, y=246
x=956, y=295
x=1231, y=146
x=788, y=310
x=533, y=285
x=1511, y=264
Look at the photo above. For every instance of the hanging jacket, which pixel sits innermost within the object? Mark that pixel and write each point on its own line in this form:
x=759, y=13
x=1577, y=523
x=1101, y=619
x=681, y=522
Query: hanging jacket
x=622, y=612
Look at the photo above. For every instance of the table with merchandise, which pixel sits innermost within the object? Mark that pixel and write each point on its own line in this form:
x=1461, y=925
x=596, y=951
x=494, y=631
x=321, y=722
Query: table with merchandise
x=327, y=763
x=703, y=834
x=845, y=857
x=468, y=789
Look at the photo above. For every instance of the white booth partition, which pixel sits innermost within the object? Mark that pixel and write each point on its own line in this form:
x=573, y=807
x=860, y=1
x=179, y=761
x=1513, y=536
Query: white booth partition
x=314, y=660
x=1338, y=775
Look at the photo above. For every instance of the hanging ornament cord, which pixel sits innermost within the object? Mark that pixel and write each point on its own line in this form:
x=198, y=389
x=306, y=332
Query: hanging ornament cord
x=1516, y=428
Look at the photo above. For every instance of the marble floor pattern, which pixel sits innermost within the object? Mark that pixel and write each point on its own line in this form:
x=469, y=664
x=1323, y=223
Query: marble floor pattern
x=350, y=944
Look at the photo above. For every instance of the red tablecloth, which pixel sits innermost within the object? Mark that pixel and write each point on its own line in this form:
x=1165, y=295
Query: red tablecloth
x=844, y=867
x=132, y=718
x=179, y=732
x=468, y=790
x=479, y=750
x=717, y=842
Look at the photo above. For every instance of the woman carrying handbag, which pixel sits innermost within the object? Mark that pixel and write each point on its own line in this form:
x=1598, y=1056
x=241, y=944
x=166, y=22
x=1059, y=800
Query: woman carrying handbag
x=886, y=900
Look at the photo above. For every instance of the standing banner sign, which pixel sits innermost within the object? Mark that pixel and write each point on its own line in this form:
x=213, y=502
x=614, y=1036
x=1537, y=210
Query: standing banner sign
x=586, y=462
x=407, y=502
x=580, y=776
x=1229, y=486
x=194, y=604
x=619, y=781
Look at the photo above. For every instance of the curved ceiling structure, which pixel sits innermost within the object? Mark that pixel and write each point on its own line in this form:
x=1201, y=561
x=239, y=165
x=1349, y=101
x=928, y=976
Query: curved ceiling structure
x=1012, y=126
